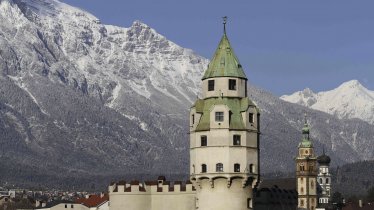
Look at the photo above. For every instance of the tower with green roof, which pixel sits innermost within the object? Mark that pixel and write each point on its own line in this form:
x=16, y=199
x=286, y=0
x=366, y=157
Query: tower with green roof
x=224, y=135
x=306, y=171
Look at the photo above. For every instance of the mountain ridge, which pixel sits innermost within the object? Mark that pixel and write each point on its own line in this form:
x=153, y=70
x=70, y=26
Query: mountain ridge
x=350, y=100
x=101, y=101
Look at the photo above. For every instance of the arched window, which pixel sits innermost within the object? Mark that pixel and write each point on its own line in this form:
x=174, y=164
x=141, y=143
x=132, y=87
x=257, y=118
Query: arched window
x=251, y=168
x=327, y=180
x=320, y=181
x=236, y=167
x=219, y=167
x=203, y=168
x=204, y=141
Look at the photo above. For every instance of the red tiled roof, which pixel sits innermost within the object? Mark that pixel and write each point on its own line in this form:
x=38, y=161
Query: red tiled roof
x=93, y=200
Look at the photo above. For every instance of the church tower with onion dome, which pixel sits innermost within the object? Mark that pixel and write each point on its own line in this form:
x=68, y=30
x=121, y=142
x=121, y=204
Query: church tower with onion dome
x=324, y=179
x=224, y=136
x=306, y=172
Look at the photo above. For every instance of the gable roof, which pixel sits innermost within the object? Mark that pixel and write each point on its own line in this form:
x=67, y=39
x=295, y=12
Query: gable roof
x=235, y=105
x=93, y=200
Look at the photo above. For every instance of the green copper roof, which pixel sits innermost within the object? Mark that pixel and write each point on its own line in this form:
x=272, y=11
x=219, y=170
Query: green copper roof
x=224, y=62
x=306, y=142
x=236, y=106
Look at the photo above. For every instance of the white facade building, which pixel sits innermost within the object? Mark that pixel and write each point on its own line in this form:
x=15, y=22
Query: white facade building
x=224, y=148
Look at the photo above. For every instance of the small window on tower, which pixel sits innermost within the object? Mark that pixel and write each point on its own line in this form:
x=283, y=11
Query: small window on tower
x=236, y=140
x=236, y=167
x=219, y=116
x=204, y=141
x=250, y=118
x=210, y=85
x=219, y=167
x=327, y=181
x=232, y=84
x=203, y=168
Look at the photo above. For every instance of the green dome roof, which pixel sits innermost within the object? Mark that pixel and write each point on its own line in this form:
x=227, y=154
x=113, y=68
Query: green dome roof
x=306, y=143
x=224, y=62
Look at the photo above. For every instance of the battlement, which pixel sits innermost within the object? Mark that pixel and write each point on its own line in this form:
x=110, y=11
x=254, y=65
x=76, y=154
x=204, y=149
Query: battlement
x=151, y=187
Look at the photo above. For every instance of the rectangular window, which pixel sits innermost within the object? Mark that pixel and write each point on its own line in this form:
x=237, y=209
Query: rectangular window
x=204, y=141
x=66, y=206
x=219, y=167
x=72, y=206
x=203, y=168
x=219, y=116
x=193, y=119
x=250, y=117
x=210, y=85
x=236, y=140
x=236, y=167
x=232, y=84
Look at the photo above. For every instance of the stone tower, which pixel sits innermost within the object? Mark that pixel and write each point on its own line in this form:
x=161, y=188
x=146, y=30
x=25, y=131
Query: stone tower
x=224, y=136
x=324, y=179
x=306, y=172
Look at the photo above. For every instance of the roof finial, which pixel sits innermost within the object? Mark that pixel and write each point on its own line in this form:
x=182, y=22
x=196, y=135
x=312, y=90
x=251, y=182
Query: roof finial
x=224, y=24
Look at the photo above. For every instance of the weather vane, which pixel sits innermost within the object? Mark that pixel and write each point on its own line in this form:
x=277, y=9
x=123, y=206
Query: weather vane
x=224, y=23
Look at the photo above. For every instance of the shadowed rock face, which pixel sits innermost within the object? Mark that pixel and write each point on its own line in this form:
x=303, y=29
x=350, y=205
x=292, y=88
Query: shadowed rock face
x=83, y=101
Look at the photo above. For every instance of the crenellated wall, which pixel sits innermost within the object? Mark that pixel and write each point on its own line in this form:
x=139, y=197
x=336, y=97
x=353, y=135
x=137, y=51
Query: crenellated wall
x=152, y=195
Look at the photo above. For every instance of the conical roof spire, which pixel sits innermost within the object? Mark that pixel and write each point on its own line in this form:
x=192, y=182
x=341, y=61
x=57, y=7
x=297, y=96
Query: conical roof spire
x=224, y=62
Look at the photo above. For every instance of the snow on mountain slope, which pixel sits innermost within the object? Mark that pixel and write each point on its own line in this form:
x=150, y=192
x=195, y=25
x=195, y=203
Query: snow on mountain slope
x=349, y=100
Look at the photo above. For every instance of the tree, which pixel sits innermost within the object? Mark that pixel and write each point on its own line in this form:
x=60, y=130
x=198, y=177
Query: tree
x=337, y=200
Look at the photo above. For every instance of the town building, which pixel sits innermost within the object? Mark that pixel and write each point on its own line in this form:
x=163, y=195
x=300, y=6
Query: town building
x=224, y=148
x=324, y=181
x=306, y=172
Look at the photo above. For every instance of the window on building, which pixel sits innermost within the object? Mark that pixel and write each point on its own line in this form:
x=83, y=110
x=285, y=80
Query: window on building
x=302, y=190
x=236, y=140
x=320, y=180
x=251, y=168
x=302, y=167
x=312, y=183
x=311, y=168
x=232, y=84
x=210, y=85
x=249, y=203
x=219, y=167
x=204, y=141
x=251, y=118
x=327, y=181
x=203, y=168
x=301, y=202
x=193, y=119
x=219, y=116
x=72, y=206
x=66, y=206
x=236, y=167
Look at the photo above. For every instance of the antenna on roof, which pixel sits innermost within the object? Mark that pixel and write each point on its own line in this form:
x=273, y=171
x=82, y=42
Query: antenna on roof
x=224, y=24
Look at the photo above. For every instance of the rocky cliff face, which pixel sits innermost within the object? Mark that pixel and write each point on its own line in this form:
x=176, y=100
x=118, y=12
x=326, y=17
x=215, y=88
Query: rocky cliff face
x=81, y=101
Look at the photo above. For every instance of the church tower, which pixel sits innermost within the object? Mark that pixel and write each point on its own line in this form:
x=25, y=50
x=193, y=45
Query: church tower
x=324, y=179
x=224, y=136
x=306, y=172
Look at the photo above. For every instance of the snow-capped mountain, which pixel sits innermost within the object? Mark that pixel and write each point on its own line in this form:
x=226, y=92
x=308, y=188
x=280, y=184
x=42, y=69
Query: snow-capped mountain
x=81, y=101
x=349, y=100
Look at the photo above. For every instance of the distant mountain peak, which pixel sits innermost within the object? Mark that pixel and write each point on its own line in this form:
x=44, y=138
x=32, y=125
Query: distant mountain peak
x=350, y=100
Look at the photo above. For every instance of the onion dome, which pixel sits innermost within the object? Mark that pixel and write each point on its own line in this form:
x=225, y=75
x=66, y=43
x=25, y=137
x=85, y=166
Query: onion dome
x=324, y=159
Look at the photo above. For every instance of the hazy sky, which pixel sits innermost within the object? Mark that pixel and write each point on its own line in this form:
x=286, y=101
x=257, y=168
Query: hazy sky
x=284, y=45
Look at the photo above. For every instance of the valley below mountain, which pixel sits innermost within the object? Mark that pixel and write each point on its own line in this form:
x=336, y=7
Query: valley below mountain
x=82, y=103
